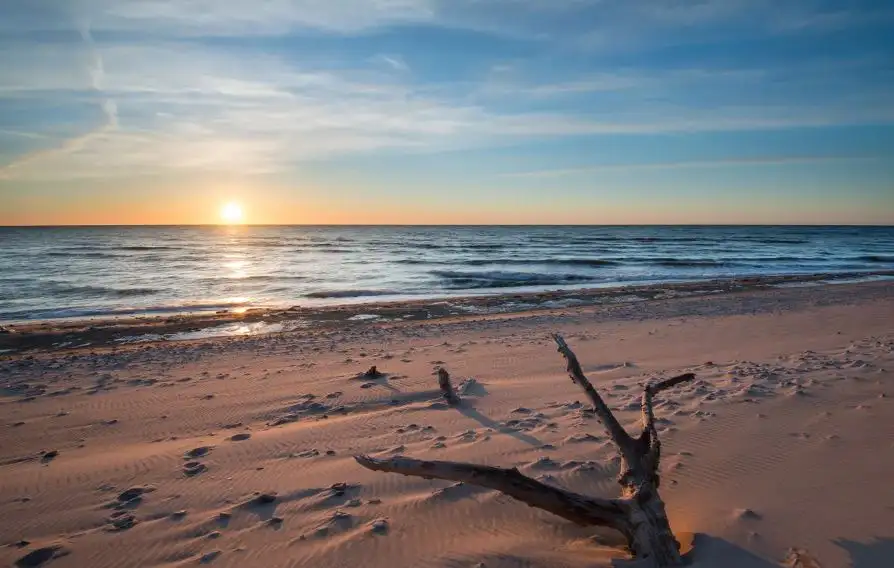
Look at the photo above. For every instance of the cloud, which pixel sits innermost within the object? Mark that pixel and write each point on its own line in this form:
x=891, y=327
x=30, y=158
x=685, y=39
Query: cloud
x=394, y=62
x=187, y=107
x=262, y=17
x=109, y=108
x=692, y=164
x=173, y=100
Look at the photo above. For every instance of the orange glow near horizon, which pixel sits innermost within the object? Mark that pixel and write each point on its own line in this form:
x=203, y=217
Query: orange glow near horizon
x=240, y=202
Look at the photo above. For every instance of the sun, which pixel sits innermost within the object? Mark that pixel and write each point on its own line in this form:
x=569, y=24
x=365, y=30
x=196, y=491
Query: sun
x=231, y=212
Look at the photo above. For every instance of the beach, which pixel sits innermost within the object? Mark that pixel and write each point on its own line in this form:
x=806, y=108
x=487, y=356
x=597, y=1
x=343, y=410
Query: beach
x=238, y=450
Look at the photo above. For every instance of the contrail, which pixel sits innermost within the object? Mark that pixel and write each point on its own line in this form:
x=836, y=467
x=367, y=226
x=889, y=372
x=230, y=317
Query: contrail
x=108, y=105
x=98, y=75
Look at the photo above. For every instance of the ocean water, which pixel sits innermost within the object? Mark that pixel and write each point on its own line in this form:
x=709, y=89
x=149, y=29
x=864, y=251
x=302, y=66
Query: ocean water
x=66, y=272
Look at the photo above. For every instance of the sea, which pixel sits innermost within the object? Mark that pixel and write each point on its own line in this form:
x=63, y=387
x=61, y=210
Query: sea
x=74, y=272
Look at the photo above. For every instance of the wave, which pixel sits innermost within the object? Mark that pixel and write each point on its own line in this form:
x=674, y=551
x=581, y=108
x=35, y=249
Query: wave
x=132, y=292
x=876, y=258
x=482, y=246
x=146, y=247
x=684, y=262
x=669, y=239
x=88, y=249
x=322, y=294
x=457, y=247
x=65, y=313
x=255, y=278
x=85, y=254
x=586, y=262
x=264, y=244
x=461, y=280
x=274, y=278
x=100, y=291
x=771, y=240
x=324, y=248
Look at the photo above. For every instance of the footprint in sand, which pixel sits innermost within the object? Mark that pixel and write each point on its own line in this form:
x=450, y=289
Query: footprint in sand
x=199, y=452
x=239, y=437
x=544, y=462
x=49, y=456
x=193, y=468
x=134, y=494
x=746, y=514
x=121, y=521
x=209, y=557
x=275, y=523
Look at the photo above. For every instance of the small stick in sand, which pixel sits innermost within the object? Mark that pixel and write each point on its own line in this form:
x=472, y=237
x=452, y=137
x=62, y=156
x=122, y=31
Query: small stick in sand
x=639, y=514
x=373, y=373
x=447, y=388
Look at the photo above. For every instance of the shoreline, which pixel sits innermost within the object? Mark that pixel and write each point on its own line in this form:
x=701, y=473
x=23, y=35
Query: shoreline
x=103, y=332
x=792, y=385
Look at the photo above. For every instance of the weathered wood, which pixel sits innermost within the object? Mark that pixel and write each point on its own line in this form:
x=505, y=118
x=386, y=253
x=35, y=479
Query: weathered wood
x=639, y=515
x=447, y=387
x=373, y=373
x=614, y=429
x=649, y=437
x=651, y=539
x=800, y=558
x=577, y=508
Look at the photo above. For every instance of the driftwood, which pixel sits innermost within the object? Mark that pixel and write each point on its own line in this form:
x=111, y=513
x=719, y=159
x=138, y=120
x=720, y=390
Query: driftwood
x=447, y=387
x=372, y=373
x=799, y=558
x=639, y=513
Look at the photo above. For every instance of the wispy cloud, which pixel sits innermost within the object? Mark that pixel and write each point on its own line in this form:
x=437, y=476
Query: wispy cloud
x=96, y=70
x=172, y=99
x=394, y=62
x=692, y=164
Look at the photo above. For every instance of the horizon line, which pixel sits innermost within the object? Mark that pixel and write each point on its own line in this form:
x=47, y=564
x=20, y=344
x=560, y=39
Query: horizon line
x=235, y=225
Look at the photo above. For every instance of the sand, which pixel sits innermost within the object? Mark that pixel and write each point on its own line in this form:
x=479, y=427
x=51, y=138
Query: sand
x=238, y=451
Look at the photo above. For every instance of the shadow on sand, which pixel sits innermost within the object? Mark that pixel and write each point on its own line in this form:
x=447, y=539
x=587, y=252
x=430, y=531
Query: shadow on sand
x=879, y=553
x=489, y=423
x=711, y=552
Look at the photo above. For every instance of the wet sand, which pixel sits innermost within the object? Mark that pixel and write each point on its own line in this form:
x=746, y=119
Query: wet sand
x=105, y=332
x=237, y=451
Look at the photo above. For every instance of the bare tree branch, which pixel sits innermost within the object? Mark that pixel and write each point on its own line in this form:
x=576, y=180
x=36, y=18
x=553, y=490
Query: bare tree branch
x=639, y=515
x=615, y=431
x=574, y=507
x=650, y=433
x=672, y=382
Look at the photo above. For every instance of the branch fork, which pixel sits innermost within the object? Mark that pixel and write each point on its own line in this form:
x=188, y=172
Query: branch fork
x=639, y=514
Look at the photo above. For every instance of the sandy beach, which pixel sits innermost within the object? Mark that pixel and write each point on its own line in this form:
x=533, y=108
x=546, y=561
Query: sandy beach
x=239, y=451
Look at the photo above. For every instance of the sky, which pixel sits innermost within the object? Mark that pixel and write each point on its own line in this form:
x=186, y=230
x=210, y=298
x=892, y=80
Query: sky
x=447, y=111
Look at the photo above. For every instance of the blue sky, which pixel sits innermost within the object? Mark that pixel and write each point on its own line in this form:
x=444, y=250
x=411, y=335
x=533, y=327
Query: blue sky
x=479, y=111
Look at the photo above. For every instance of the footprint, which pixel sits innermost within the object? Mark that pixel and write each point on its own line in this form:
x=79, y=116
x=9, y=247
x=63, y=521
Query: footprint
x=193, y=468
x=199, y=452
x=121, y=521
x=209, y=557
x=134, y=493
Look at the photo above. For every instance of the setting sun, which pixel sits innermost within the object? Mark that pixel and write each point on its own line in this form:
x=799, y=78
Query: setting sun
x=231, y=213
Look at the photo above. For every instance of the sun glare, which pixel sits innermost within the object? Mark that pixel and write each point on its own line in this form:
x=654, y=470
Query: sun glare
x=231, y=213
